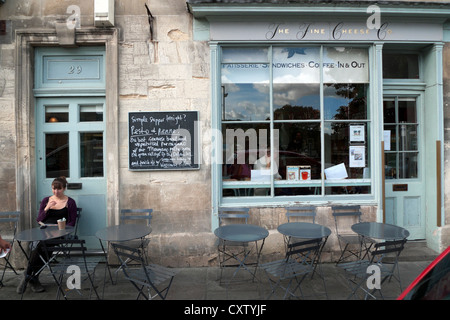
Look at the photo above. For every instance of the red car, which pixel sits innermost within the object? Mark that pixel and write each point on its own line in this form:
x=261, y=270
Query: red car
x=433, y=283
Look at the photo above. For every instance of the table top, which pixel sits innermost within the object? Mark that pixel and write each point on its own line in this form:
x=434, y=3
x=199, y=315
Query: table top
x=38, y=234
x=304, y=230
x=241, y=232
x=379, y=230
x=123, y=232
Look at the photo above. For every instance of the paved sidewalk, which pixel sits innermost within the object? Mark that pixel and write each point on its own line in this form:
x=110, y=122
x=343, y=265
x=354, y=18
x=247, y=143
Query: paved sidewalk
x=201, y=283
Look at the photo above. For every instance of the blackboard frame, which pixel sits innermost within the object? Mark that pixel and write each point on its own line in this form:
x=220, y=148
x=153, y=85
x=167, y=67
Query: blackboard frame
x=192, y=126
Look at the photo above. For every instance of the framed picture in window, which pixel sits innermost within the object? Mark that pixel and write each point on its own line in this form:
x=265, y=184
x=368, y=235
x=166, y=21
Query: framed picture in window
x=357, y=133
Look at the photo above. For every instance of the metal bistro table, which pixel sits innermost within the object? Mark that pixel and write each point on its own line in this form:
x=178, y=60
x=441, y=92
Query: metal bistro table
x=304, y=230
x=380, y=231
x=35, y=235
x=240, y=235
x=308, y=231
x=120, y=233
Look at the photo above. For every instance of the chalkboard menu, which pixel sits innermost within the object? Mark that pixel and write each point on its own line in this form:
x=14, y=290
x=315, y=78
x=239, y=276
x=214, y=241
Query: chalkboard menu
x=163, y=140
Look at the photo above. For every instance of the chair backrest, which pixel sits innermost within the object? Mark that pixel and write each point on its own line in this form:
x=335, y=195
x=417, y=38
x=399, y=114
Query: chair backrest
x=136, y=215
x=305, y=251
x=64, y=248
x=126, y=253
x=390, y=247
x=346, y=211
x=304, y=211
x=234, y=213
x=11, y=218
x=78, y=220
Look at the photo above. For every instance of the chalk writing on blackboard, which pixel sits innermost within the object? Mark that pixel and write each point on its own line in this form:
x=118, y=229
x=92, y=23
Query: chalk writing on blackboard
x=163, y=140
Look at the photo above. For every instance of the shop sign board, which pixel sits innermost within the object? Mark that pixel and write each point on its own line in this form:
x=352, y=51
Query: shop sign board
x=307, y=30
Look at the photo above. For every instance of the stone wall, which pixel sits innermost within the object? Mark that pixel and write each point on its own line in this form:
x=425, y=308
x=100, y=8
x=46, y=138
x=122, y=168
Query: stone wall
x=170, y=72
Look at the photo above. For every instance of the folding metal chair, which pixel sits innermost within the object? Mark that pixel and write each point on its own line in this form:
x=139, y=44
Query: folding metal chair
x=74, y=235
x=157, y=279
x=137, y=216
x=77, y=223
x=234, y=213
x=71, y=257
x=8, y=222
x=298, y=263
x=304, y=211
x=143, y=216
x=384, y=258
x=229, y=249
x=350, y=243
x=294, y=213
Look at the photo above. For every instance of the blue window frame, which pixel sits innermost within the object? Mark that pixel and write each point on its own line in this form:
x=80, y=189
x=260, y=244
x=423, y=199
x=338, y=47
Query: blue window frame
x=292, y=118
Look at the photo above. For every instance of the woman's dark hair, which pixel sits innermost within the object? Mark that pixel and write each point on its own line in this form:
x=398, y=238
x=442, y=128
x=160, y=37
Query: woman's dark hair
x=59, y=183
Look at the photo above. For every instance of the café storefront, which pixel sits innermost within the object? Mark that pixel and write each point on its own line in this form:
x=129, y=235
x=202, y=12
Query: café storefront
x=350, y=102
x=351, y=110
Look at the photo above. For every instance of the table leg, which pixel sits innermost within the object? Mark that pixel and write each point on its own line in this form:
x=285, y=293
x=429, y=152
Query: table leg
x=367, y=246
x=28, y=278
x=242, y=261
x=106, y=267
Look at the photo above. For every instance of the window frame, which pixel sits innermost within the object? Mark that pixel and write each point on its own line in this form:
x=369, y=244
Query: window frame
x=218, y=184
x=405, y=81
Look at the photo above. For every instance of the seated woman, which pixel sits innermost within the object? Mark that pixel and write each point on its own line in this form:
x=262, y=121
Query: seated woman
x=52, y=209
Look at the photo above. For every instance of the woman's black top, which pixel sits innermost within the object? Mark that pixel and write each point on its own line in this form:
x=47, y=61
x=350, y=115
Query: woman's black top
x=53, y=215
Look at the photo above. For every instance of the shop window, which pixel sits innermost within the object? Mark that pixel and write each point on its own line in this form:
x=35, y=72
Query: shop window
x=91, y=154
x=89, y=113
x=57, y=155
x=398, y=65
x=400, y=124
x=55, y=114
x=295, y=121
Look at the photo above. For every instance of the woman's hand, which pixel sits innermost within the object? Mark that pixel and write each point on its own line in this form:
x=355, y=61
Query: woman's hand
x=49, y=205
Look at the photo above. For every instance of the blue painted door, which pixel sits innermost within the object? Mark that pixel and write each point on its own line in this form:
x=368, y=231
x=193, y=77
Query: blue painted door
x=405, y=181
x=70, y=142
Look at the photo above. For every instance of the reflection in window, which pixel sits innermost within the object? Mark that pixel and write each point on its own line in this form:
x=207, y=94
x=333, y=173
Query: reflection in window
x=296, y=65
x=400, y=118
x=337, y=148
x=346, y=79
x=289, y=94
x=400, y=66
x=55, y=114
x=91, y=113
x=299, y=146
x=242, y=54
x=345, y=101
x=246, y=102
x=296, y=101
x=57, y=155
x=91, y=154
